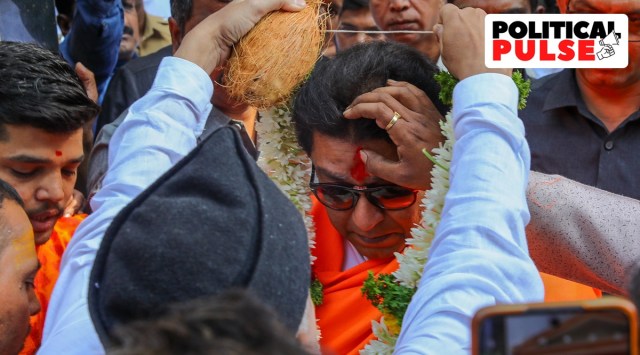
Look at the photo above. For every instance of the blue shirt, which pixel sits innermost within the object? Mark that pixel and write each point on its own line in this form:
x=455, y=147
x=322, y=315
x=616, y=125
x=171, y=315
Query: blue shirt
x=94, y=38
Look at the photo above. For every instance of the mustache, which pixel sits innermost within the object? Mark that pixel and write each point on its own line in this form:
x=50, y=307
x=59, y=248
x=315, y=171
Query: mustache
x=127, y=30
x=44, y=208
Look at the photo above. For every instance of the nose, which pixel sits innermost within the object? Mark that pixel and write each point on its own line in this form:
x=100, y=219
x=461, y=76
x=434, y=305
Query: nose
x=398, y=5
x=363, y=37
x=51, y=188
x=34, y=303
x=366, y=216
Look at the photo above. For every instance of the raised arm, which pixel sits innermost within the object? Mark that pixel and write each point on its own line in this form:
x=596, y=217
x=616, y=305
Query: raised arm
x=479, y=256
x=160, y=129
x=582, y=233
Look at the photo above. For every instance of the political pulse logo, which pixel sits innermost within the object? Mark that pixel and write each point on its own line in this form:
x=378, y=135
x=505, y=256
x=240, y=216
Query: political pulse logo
x=556, y=41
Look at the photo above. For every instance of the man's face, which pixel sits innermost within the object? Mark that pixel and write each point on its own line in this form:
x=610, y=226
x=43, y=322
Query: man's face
x=18, y=266
x=42, y=167
x=617, y=78
x=374, y=232
x=398, y=15
x=356, y=20
x=497, y=6
x=131, y=31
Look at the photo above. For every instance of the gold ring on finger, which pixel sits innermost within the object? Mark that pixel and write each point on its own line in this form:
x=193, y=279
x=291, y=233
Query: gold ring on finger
x=394, y=119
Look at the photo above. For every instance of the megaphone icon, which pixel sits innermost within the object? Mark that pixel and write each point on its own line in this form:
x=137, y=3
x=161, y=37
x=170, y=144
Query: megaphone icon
x=611, y=39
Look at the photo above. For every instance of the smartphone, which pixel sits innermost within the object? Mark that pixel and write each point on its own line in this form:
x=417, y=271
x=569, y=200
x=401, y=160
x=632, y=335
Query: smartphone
x=606, y=326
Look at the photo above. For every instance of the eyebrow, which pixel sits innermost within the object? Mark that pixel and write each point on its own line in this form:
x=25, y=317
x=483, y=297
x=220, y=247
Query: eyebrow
x=28, y=159
x=341, y=179
x=332, y=175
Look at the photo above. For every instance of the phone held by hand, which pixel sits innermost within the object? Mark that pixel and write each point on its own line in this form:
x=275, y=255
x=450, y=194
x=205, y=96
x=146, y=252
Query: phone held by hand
x=603, y=326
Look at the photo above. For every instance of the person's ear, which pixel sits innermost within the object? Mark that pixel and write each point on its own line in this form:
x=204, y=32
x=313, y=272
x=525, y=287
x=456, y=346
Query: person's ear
x=64, y=22
x=176, y=34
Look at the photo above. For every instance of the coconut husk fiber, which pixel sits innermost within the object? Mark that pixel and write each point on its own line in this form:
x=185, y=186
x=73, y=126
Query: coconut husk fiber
x=270, y=61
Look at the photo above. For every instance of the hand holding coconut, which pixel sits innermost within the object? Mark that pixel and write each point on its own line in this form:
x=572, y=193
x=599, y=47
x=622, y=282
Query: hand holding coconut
x=208, y=44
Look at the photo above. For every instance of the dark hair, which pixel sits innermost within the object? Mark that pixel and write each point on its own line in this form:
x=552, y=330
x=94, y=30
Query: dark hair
x=233, y=322
x=336, y=82
x=181, y=11
x=38, y=88
x=8, y=192
x=352, y=5
x=66, y=7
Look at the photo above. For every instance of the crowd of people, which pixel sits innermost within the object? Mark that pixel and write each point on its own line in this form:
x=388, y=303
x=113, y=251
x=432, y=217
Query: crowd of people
x=135, y=218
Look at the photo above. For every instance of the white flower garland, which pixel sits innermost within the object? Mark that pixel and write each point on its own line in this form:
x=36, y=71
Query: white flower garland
x=284, y=161
x=412, y=260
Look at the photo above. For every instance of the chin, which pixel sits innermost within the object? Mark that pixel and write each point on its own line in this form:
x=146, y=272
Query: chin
x=41, y=238
x=610, y=77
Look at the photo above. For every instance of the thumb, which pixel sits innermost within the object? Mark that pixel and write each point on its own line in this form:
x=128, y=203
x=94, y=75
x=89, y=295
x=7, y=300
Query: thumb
x=378, y=165
x=88, y=81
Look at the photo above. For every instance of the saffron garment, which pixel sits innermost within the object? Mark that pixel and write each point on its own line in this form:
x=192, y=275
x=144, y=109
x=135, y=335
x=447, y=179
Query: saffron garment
x=49, y=255
x=345, y=315
x=557, y=289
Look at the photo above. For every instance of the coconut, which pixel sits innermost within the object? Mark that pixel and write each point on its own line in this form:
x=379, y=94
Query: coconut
x=270, y=61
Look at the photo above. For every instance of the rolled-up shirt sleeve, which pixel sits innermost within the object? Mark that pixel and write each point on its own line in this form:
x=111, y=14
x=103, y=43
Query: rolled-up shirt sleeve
x=479, y=256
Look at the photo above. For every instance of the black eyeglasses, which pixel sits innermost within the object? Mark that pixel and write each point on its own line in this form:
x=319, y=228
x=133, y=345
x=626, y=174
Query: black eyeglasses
x=342, y=198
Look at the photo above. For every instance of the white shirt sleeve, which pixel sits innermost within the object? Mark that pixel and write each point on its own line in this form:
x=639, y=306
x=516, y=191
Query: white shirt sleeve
x=161, y=128
x=479, y=256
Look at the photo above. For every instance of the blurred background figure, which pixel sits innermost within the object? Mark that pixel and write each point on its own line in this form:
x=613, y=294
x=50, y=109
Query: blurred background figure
x=410, y=15
x=334, y=7
x=28, y=21
x=153, y=30
x=160, y=8
x=356, y=16
x=512, y=7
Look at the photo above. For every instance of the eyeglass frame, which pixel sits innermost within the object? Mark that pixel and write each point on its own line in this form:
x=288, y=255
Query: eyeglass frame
x=357, y=191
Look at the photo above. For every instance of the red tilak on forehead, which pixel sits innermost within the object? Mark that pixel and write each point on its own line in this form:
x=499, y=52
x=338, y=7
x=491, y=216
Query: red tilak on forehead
x=359, y=170
x=58, y=153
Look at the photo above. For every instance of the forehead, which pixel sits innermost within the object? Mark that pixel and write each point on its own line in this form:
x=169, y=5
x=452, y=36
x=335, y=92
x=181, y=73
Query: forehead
x=604, y=6
x=21, y=139
x=338, y=156
x=16, y=238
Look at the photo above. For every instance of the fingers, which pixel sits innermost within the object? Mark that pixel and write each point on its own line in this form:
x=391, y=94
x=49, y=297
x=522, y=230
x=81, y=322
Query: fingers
x=413, y=171
x=461, y=35
x=382, y=103
x=372, y=105
x=208, y=44
x=75, y=203
x=88, y=81
x=408, y=95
